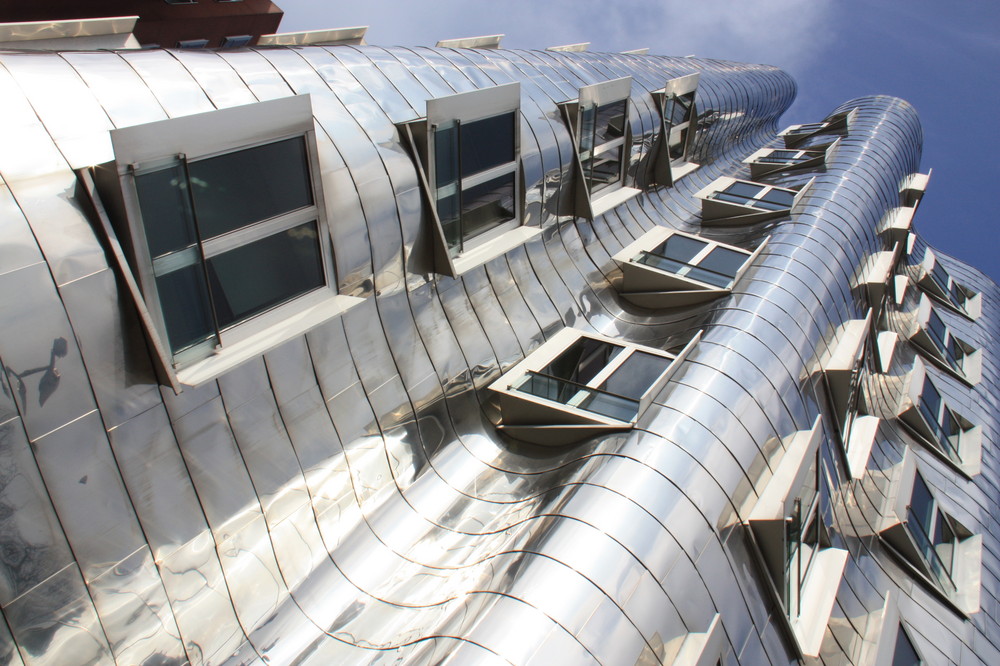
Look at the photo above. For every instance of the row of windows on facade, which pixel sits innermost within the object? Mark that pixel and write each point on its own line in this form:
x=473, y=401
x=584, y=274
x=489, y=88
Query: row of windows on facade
x=210, y=258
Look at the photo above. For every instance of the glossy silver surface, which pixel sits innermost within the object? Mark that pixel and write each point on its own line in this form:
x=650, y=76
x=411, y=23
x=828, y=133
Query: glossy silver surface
x=345, y=498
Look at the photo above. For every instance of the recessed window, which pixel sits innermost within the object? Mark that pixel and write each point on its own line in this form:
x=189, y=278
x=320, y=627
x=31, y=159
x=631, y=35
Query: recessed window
x=767, y=161
x=224, y=218
x=665, y=268
x=928, y=538
x=938, y=343
x=467, y=149
x=945, y=432
x=904, y=653
x=935, y=280
x=579, y=384
x=192, y=43
x=788, y=529
x=679, y=124
x=599, y=121
x=797, y=135
x=732, y=201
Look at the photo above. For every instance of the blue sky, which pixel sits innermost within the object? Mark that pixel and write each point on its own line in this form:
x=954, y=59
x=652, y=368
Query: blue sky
x=943, y=57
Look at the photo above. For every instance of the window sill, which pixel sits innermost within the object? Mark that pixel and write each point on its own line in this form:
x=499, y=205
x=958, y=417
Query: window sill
x=859, y=444
x=502, y=244
x=681, y=169
x=237, y=353
x=606, y=202
x=819, y=594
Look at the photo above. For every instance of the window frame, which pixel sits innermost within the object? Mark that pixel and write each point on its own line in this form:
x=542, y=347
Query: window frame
x=668, y=169
x=537, y=419
x=189, y=139
x=588, y=202
x=839, y=123
x=716, y=211
x=468, y=107
x=655, y=287
x=965, y=573
x=767, y=535
x=938, y=348
x=935, y=280
x=807, y=158
x=966, y=456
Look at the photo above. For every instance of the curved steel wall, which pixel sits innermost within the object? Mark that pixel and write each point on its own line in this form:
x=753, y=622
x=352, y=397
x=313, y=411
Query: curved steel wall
x=344, y=498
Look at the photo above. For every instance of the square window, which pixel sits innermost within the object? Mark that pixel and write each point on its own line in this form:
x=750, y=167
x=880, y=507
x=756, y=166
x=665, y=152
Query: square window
x=678, y=126
x=732, y=201
x=935, y=280
x=943, y=431
x=665, y=268
x=578, y=384
x=936, y=341
x=467, y=152
x=767, y=161
x=222, y=214
x=599, y=123
x=929, y=540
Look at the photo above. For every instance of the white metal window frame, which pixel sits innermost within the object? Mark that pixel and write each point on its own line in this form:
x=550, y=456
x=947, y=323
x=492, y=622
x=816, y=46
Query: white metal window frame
x=967, y=367
x=930, y=272
x=716, y=211
x=674, y=134
x=814, y=156
x=966, y=569
x=840, y=123
x=969, y=445
x=142, y=148
x=561, y=415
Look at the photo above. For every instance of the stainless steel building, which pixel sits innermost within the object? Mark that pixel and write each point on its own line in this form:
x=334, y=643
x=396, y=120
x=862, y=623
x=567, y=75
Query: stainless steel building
x=339, y=354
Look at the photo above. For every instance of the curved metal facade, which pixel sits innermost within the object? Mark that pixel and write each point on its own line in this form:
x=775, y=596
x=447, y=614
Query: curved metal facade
x=345, y=497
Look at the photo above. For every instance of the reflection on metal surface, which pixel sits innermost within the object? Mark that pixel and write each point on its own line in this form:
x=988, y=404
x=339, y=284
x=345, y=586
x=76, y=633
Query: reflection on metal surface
x=345, y=496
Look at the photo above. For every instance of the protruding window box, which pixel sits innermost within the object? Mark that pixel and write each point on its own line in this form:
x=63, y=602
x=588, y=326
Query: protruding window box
x=913, y=188
x=935, y=280
x=481, y=42
x=602, y=136
x=697, y=648
x=729, y=201
x=678, y=126
x=788, y=532
x=773, y=160
x=665, y=268
x=897, y=223
x=468, y=160
x=579, y=385
x=943, y=432
x=875, y=275
x=837, y=124
x=924, y=535
x=938, y=343
x=334, y=36
x=218, y=223
x=894, y=645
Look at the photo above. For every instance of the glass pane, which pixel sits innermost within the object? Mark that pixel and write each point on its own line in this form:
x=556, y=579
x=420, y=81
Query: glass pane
x=930, y=400
x=779, y=198
x=451, y=226
x=236, y=189
x=743, y=190
x=445, y=156
x=487, y=205
x=719, y=267
x=905, y=654
x=603, y=170
x=678, y=144
x=185, y=307
x=634, y=377
x=680, y=248
x=613, y=406
x=487, y=143
x=166, y=210
x=922, y=505
x=610, y=121
x=582, y=360
x=260, y=275
x=677, y=109
x=937, y=330
x=577, y=395
x=587, y=114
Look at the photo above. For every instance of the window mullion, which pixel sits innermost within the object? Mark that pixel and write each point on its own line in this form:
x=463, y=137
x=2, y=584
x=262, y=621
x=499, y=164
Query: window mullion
x=201, y=250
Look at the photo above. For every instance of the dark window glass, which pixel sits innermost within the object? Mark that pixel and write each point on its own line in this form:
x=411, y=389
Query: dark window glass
x=445, y=156
x=930, y=399
x=680, y=248
x=486, y=143
x=603, y=170
x=719, y=267
x=779, y=198
x=487, y=205
x=587, y=115
x=166, y=210
x=743, y=190
x=260, y=275
x=678, y=144
x=905, y=654
x=236, y=189
x=940, y=275
x=185, y=308
x=677, y=108
x=582, y=360
x=922, y=507
x=938, y=330
x=634, y=377
x=610, y=121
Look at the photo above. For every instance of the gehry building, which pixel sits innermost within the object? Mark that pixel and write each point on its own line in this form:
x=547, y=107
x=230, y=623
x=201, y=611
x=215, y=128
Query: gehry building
x=340, y=354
